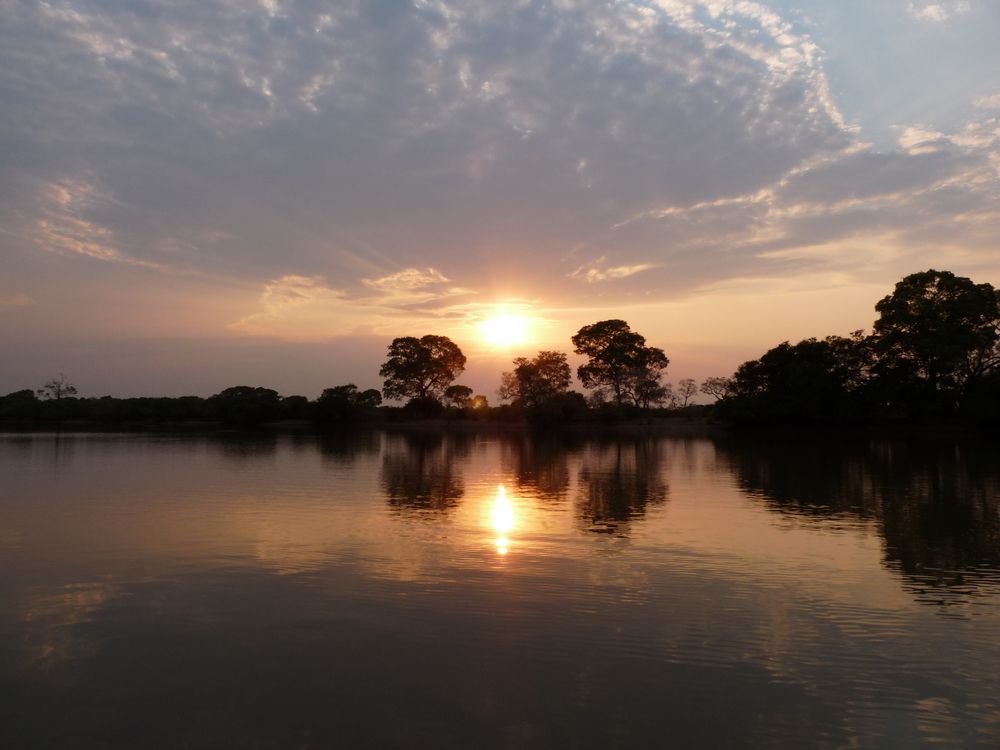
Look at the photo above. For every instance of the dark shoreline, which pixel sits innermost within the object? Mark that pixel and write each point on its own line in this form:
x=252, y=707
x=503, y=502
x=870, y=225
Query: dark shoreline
x=684, y=426
x=675, y=426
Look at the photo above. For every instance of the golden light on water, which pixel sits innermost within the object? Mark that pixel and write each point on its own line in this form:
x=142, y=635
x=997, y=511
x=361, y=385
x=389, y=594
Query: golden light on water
x=503, y=519
x=504, y=331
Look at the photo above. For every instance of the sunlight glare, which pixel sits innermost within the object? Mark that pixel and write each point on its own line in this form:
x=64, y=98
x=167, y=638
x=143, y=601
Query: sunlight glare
x=503, y=518
x=505, y=330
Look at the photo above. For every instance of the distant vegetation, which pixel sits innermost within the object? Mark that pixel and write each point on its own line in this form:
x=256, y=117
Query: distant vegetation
x=934, y=353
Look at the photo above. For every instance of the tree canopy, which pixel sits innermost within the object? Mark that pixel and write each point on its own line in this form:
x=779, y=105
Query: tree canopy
x=346, y=402
x=421, y=368
x=936, y=334
x=458, y=396
x=619, y=359
x=532, y=382
x=811, y=379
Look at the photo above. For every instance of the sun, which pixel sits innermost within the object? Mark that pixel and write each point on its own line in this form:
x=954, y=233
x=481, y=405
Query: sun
x=505, y=330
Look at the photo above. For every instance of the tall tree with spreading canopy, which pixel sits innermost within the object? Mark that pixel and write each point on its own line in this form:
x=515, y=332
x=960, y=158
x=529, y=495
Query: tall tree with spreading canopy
x=421, y=368
x=619, y=359
x=937, y=334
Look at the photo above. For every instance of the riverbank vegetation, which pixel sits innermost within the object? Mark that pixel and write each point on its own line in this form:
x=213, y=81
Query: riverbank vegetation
x=933, y=355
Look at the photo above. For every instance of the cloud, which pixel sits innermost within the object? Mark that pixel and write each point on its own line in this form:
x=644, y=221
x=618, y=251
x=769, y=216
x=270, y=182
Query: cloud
x=367, y=165
x=306, y=308
x=919, y=139
x=312, y=308
x=939, y=12
x=407, y=280
x=339, y=142
x=599, y=271
x=991, y=101
x=62, y=227
x=61, y=224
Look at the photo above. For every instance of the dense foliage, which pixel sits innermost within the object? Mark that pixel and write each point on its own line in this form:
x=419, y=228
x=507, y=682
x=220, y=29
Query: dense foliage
x=618, y=359
x=934, y=353
x=421, y=368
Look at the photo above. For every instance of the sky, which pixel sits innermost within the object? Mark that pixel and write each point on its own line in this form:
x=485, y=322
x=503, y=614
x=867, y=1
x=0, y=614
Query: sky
x=200, y=194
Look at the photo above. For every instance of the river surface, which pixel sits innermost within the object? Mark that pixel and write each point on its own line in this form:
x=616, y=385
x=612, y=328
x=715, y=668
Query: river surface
x=471, y=591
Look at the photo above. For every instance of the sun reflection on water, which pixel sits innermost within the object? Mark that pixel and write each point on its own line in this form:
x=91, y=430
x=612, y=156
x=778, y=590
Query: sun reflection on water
x=503, y=518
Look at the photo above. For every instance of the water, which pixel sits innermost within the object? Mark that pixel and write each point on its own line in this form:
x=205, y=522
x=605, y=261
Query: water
x=386, y=590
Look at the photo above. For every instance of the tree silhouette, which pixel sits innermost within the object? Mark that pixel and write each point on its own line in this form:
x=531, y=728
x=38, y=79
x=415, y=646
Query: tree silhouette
x=346, y=402
x=533, y=382
x=717, y=387
x=421, y=368
x=57, y=389
x=618, y=359
x=937, y=334
x=246, y=405
x=808, y=380
x=458, y=396
x=686, y=389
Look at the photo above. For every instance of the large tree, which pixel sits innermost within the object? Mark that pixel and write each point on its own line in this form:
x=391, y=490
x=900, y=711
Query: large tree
x=619, y=359
x=936, y=335
x=532, y=382
x=421, y=368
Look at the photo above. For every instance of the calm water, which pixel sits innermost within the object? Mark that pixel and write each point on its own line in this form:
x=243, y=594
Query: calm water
x=477, y=592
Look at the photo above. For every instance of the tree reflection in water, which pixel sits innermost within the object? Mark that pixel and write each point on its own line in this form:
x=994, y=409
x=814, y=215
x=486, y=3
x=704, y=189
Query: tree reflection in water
x=936, y=504
x=618, y=481
x=540, y=464
x=343, y=448
x=245, y=448
x=421, y=471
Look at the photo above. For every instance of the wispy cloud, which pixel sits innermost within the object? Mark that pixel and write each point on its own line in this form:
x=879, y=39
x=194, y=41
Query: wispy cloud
x=939, y=12
x=306, y=307
x=599, y=270
x=298, y=307
x=407, y=280
x=990, y=101
x=919, y=139
x=63, y=225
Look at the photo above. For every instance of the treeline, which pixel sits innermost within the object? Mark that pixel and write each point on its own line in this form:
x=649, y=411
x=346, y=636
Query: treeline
x=244, y=406
x=934, y=353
